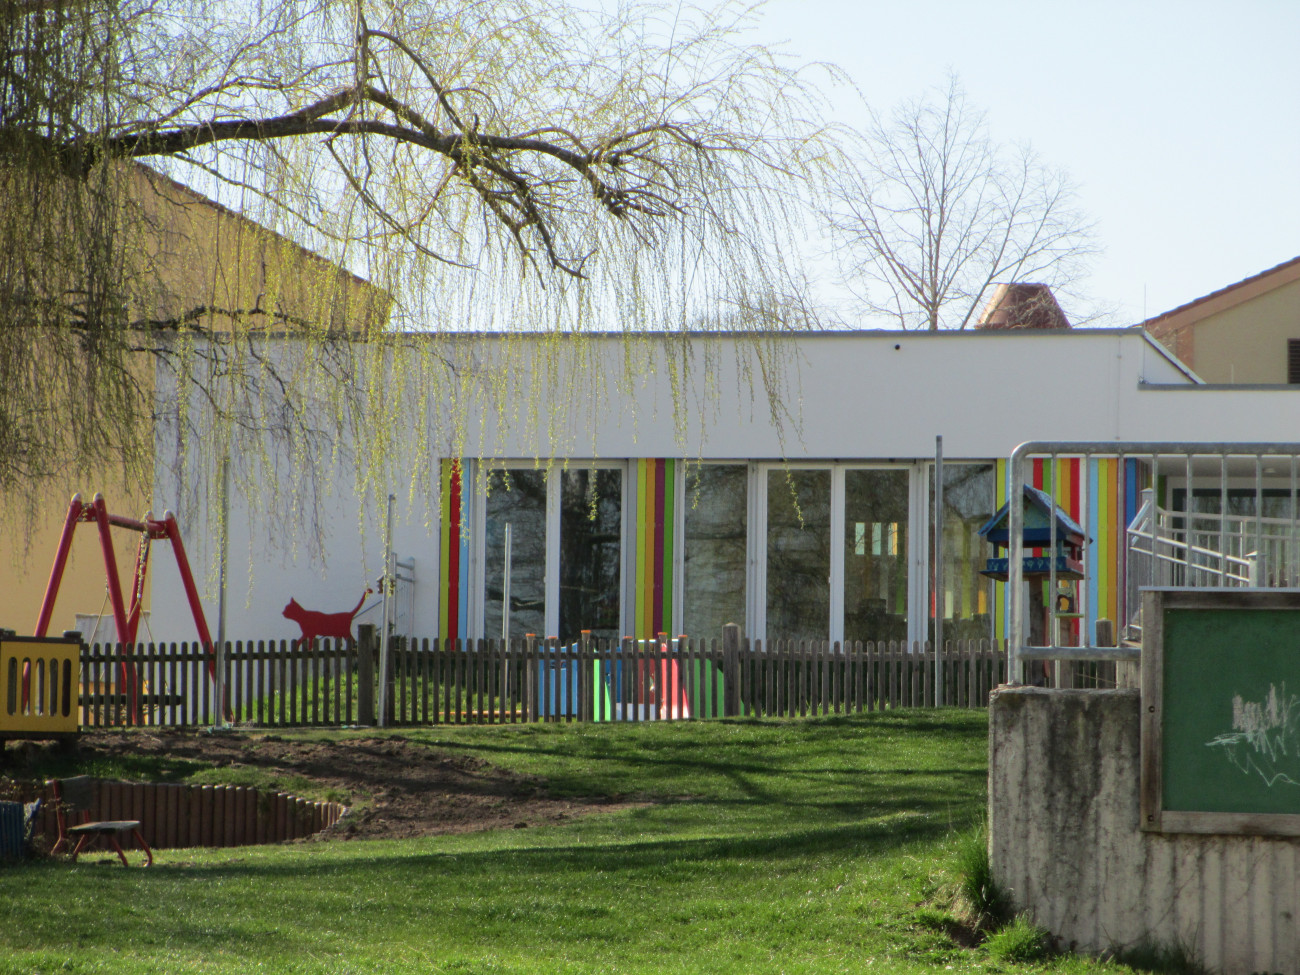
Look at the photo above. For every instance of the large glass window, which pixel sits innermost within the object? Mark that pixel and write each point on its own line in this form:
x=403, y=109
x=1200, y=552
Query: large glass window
x=713, y=560
x=591, y=536
x=875, y=554
x=516, y=498
x=966, y=600
x=798, y=554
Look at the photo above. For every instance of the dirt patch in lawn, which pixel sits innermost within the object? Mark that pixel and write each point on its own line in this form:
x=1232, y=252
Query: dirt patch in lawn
x=396, y=787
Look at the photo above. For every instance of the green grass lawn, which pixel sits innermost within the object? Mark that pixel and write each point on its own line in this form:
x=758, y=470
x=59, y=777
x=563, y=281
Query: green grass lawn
x=816, y=846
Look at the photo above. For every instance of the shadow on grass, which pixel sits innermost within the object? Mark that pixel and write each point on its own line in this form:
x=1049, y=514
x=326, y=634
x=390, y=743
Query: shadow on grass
x=738, y=805
x=59, y=762
x=659, y=742
x=887, y=831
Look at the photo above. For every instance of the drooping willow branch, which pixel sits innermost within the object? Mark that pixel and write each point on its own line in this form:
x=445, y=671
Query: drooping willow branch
x=493, y=165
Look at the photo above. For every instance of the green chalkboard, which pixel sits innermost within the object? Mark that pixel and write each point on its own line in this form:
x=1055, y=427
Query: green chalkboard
x=1221, y=711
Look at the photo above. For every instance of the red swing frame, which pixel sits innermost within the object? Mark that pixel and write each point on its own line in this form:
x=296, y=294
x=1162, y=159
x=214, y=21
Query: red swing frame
x=126, y=618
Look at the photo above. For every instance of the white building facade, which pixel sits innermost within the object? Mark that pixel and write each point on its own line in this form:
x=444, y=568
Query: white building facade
x=782, y=483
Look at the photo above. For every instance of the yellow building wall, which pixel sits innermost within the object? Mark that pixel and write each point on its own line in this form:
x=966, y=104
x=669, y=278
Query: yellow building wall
x=220, y=271
x=26, y=570
x=223, y=271
x=1247, y=343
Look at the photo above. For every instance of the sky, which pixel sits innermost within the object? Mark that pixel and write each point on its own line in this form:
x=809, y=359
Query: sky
x=1179, y=121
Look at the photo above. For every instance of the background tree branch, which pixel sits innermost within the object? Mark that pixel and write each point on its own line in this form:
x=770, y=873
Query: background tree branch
x=931, y=213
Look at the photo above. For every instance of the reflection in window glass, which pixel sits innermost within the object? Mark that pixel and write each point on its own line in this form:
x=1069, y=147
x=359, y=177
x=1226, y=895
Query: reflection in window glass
x=968, y=495
x=1237, y=535
x=516, y=498
x=875, y=555
x=1241, y=502
x=798, y=554
x=591, y=530
x=714, y=559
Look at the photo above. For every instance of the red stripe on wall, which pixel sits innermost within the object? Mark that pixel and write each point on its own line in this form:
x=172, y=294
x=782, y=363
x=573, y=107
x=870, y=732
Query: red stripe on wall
x=658, y=562
x=1076, y=489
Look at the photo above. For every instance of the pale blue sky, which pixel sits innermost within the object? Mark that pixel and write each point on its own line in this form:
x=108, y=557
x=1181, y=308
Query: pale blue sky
x=1180, y=121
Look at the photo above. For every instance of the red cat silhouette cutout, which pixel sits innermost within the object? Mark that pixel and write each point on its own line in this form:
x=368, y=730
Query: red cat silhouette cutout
x=336, y=626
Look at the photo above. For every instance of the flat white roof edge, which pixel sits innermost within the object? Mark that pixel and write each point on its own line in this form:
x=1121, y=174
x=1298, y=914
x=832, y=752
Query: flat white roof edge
x=1204, y=387
x=1172, y=359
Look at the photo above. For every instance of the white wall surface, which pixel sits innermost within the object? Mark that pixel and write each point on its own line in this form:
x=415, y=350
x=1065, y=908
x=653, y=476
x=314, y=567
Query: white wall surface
x=855, y=396
x=865, y=394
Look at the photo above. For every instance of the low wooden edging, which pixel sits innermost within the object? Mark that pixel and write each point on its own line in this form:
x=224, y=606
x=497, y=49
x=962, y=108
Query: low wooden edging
x=175, y=816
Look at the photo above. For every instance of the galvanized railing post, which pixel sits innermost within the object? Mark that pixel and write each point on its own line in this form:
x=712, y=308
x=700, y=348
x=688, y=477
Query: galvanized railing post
x=940, y=609
x=1015, y=561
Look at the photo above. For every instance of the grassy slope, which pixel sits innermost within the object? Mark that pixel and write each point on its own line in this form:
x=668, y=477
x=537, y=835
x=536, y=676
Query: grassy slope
x=776, y=847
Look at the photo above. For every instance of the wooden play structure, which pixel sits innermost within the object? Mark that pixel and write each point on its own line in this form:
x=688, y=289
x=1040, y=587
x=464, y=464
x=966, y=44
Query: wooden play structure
x=38, y=687
x=34, y=672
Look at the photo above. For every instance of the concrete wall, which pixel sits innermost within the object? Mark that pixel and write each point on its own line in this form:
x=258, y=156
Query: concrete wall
x=196, y=253
x=1064, y=838
x=846, y=395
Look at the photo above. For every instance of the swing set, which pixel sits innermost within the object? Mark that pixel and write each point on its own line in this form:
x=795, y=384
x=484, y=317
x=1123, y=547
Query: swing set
x=125, y=616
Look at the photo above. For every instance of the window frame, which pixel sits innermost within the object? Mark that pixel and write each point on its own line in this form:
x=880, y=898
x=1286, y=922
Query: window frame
x=480, y=469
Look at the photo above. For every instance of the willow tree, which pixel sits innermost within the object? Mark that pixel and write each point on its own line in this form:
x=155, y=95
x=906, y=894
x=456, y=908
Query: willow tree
x=515, y=165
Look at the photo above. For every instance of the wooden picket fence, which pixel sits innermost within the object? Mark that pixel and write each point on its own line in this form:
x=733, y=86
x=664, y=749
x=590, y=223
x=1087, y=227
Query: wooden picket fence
x=278, y=684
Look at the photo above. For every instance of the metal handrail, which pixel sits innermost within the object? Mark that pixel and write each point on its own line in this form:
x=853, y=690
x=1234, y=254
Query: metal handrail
x=1019, y=649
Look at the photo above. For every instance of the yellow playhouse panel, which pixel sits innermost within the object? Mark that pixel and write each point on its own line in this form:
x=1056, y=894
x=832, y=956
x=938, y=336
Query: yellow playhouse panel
x=39, y=685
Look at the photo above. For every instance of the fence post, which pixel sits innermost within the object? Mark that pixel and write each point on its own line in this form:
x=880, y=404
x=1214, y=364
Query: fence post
x=528, y=677
x=582, y=708
x=392, y=660
x=731, y=669
x=366, y=674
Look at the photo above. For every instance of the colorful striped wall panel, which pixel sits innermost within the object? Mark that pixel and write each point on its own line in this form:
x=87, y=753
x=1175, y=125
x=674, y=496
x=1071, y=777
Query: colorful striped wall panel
x=653, y=534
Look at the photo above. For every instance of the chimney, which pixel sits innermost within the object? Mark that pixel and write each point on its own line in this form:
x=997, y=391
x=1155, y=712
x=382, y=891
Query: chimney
x=1022, y=306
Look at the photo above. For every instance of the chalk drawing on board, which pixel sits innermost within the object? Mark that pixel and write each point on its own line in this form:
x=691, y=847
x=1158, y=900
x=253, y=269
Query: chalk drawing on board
x=1265, y=737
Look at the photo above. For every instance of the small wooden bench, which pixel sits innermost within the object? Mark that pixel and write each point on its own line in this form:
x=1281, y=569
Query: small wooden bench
x=75, y=795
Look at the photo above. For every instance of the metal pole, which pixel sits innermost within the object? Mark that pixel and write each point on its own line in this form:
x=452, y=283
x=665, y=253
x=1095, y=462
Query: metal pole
x=223, y=543
x=938, y=572
x=219, y=720
x=505, y=593
x=75, y=507
x=1015, y=561
x=386, y=585
x=505, y=608
x=1053, y=626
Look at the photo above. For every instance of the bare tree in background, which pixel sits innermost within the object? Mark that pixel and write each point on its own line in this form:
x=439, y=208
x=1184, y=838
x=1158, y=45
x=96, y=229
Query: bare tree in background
x=934, y=212
x=514, y=165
